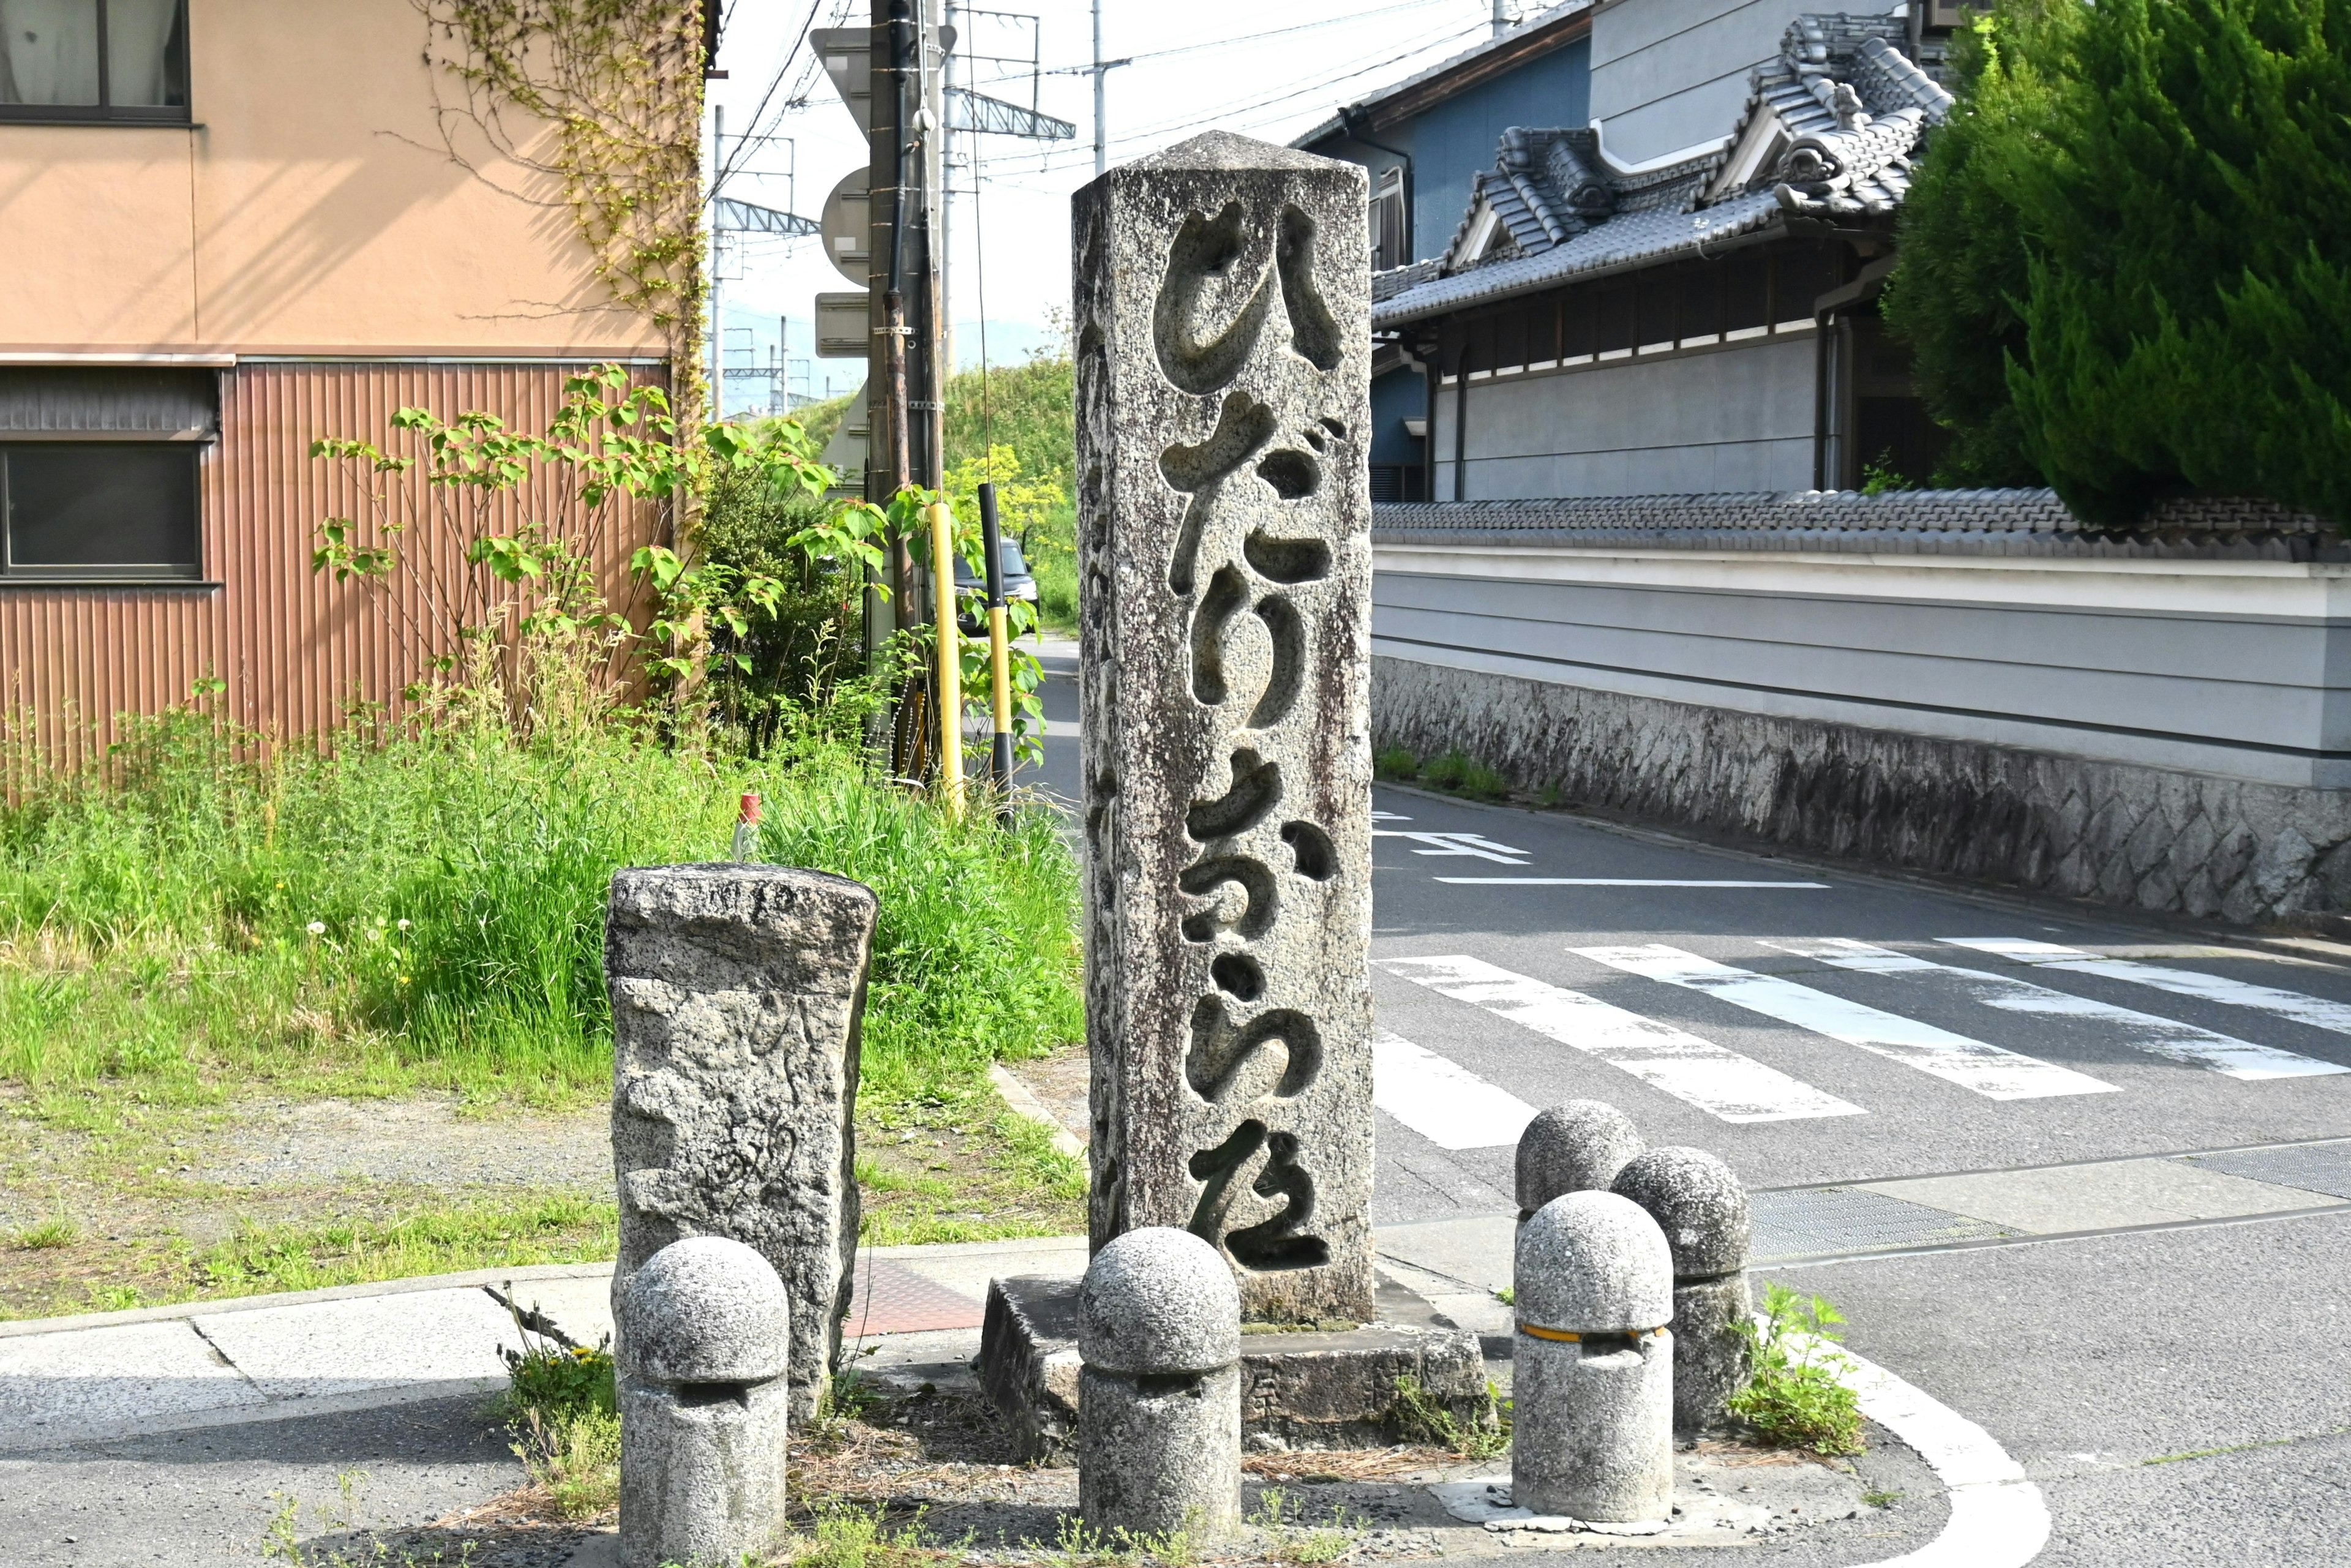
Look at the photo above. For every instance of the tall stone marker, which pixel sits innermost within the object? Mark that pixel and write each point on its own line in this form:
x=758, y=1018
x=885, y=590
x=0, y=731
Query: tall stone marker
x=1223, y=358
x=737, y=996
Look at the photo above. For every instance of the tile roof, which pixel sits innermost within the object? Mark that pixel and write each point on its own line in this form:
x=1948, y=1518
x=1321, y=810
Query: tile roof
x=1907, y=522
x=1828, y=129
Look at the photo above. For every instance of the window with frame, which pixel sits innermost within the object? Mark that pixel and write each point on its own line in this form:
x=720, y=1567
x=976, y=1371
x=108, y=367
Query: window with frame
x=1390, y=242
x=94, y=60
x=99, y=473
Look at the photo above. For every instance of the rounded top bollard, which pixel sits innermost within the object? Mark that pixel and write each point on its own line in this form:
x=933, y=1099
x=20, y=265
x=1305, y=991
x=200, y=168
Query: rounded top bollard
x=707, y=1310
x=1592, y=1262
x=1697, y=1202
x=1159, y=1301
x=1578, y=1146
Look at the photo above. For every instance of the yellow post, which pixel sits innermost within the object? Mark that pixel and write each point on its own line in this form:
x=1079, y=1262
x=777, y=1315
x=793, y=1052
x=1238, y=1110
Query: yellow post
x=950, y=661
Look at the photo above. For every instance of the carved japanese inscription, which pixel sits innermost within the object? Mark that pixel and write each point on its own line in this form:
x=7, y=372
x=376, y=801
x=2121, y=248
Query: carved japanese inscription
x=1223, y=348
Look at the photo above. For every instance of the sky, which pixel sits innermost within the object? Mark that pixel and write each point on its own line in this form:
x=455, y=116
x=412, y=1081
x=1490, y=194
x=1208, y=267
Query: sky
x=1269, y=68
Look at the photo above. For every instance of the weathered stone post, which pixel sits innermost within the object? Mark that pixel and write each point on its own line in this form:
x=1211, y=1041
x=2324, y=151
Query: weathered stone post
x=1578, y=1145
x=703, y=1405
x=737, y=994
x=1709, y=1226
x=1223, y=350
x=1159, y=1403
x=1592, y=1366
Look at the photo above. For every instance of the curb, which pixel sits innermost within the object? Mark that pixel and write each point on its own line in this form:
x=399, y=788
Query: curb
x=1997, y=1519
x=473, y=1278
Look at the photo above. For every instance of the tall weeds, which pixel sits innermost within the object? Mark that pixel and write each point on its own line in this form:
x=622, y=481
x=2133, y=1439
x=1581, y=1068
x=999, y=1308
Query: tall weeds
x=425, y=907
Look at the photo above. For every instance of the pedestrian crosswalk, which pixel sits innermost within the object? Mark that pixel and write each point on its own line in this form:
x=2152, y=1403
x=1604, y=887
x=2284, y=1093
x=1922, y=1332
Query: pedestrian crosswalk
x=1711, y=1077
x=1457, y=1108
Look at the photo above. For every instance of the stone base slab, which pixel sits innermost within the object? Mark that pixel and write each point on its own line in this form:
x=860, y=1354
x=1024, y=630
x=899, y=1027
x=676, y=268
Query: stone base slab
x=1305, y=1389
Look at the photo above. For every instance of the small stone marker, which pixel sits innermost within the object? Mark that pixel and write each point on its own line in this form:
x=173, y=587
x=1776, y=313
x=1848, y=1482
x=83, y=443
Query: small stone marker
x=1592, y=1366
x=1159, y=1403
x=1223, y=415
x=1709, y=1226
x=1575, y=1146
x=737, y=995
x=703, y=1405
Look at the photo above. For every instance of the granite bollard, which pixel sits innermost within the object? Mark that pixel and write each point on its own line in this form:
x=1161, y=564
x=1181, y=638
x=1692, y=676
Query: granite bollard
x=703, y=1405
x=1575, y=1146
x=1159, y=1400
x=1222, y=315
x=737, y=996
x=1591, y=1436
x=1709, y=1227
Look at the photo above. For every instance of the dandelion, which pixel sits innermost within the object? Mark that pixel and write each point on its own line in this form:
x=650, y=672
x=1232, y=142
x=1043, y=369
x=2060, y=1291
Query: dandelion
x=317, y=928
x=401, y=924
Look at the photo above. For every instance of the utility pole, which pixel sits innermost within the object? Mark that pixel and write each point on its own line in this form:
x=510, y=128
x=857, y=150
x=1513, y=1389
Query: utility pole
x=1501, y=17
x=948, y=40
x=718, y=322
x=1102, y=136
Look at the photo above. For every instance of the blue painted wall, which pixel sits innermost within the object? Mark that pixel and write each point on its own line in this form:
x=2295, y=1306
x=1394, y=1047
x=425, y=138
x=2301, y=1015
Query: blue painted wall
x=1457, y=138
x=1396, y=397
x=1449, y=144
x=1454, y=140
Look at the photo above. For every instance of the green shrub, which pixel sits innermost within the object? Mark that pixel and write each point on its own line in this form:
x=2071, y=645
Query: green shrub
x=2160, y=192
x=1794, y=1395
x=1395, y=762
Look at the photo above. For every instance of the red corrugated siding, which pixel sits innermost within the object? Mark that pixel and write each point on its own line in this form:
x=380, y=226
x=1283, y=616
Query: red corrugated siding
x=295, y=648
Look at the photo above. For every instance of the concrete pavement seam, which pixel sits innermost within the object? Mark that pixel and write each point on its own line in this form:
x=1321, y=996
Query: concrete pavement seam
x=1815, y=1260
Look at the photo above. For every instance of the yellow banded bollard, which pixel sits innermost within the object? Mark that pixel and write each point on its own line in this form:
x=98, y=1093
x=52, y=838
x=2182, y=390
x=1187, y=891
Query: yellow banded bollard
x=1592, y=1368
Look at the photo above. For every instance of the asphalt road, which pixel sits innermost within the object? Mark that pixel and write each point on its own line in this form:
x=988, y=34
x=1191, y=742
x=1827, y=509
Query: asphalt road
x=2180, y=1390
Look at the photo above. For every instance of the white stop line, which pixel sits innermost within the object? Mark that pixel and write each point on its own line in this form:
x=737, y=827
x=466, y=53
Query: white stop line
x=1998, y=1518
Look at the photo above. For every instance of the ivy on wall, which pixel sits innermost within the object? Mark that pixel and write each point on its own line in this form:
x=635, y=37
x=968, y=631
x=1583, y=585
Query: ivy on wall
x=620, y=81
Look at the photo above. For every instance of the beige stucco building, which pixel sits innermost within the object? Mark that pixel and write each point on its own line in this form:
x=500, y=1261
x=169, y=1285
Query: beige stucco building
x=228, y=228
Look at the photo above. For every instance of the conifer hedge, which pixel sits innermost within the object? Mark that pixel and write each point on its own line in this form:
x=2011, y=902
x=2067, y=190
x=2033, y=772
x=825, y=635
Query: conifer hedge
x=2127, y=264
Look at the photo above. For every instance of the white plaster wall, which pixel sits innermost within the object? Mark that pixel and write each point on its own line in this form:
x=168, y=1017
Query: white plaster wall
x=1739, y=418
x=2240, y=669
x=1668, y=75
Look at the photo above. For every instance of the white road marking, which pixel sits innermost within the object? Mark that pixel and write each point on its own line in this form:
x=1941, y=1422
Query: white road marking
x=1474, y=844
x=2318, y=1011
x=1441, y=1099
x=1607, y=882
x=1998, y=1518
x=1718, y=1082
x=2162, y=1036
x=1988, y=1069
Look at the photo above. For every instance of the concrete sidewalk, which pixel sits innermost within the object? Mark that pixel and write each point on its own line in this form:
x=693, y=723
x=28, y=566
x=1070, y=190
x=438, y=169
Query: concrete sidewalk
x=65, y=1381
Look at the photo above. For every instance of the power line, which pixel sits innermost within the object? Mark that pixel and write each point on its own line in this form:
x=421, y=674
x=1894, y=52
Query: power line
x=1051, y=161
x=1246, y=37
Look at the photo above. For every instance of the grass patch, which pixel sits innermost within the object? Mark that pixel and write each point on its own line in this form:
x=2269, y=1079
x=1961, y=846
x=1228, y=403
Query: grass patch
x=1456, y=771
x=47, y=1236
x=1794, y=1397
x=426, y=911
x=1395, y=762
x=445, y=1240
x=963, y=1169
x=1417, y=1417
x=844, y=1535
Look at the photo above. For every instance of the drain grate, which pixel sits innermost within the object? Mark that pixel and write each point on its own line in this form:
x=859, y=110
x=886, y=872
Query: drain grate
x=1817, y=1222
x=2314, y=1167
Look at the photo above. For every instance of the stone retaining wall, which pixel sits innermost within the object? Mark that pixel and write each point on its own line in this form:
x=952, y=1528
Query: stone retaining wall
x=2157, y=840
